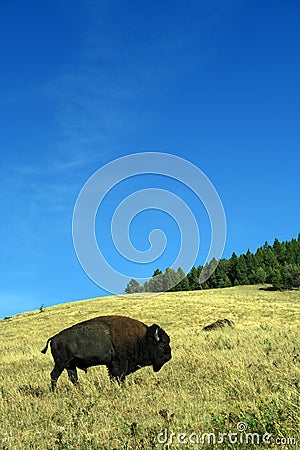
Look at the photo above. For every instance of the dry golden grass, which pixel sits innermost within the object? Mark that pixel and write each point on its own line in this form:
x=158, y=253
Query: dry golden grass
x=215, y=381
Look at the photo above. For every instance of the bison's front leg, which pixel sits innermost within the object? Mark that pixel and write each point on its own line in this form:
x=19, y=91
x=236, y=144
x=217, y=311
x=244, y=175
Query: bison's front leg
x=117, y=371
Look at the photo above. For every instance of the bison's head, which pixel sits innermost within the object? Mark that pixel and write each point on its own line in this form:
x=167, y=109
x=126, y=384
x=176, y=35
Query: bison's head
x=159, y=346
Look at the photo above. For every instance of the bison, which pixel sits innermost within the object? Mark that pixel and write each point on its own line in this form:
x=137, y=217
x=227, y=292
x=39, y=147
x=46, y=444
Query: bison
x=122, y=344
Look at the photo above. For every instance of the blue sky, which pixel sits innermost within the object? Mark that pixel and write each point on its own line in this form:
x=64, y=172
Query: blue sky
x=86, y=82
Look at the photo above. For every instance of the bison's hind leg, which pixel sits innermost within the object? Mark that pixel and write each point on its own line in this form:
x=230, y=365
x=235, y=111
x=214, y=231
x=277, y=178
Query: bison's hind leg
x=55, y=374
x=72, y=374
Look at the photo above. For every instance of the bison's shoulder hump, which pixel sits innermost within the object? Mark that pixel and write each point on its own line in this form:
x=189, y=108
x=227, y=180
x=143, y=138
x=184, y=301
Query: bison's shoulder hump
x=124, y=329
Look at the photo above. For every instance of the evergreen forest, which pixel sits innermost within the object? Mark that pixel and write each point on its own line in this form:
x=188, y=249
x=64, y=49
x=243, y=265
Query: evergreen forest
x=277, y=265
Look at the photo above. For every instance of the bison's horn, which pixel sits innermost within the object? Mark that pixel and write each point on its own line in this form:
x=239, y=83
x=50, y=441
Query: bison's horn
x=156, y=337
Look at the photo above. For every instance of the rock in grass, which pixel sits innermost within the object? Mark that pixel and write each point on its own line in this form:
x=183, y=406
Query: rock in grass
x=221, y=323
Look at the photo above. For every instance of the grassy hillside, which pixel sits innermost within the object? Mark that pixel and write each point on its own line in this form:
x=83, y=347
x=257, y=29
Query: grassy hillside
x=241, y=380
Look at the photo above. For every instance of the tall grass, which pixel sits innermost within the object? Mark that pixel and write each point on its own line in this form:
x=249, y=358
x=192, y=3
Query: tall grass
x=239, y=380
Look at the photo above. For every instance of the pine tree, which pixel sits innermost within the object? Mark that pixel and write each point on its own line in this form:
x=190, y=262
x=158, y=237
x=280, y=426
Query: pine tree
x=251, y=267
x=170, y=279
x=222, y=274
x=233, y=271
x=290, y=274
x=279, y=251
x=133, y=287
x=293, y=251
x=242, y=270
x=259, y=257
x=193, y=279
x=183, y=284
x=156, y=283
x=260, y=276
x=276, y=278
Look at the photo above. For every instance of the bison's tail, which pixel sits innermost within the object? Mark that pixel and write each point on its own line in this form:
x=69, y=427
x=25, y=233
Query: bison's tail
x=46, y=348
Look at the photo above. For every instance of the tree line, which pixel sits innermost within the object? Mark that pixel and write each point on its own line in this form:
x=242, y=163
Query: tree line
x=277, y=265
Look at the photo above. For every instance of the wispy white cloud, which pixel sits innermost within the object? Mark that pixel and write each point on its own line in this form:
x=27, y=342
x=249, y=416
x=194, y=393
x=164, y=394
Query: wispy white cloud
x=36, y=205
x=127, y=57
